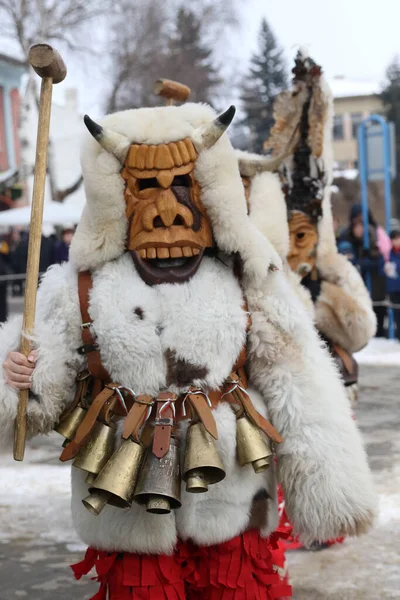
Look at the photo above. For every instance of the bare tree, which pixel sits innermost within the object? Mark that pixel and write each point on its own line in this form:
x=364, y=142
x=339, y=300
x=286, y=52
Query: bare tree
x=62, y=22
x=144, y=47
x=138, y=36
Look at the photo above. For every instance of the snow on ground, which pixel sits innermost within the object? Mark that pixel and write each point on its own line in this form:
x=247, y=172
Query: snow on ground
x=380, y=351
x=35, y=496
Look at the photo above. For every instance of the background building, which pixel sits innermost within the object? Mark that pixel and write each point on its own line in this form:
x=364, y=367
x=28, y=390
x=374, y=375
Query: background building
x=11, y=71
x=353, y=101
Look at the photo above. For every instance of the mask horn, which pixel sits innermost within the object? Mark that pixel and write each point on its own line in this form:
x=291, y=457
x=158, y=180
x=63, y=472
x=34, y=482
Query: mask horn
x=249, y=167
x=113, y=142
x=207, y=135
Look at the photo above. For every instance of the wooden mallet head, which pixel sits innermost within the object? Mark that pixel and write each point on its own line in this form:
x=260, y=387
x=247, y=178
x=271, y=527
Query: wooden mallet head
x=47, y=62
x=171, y=90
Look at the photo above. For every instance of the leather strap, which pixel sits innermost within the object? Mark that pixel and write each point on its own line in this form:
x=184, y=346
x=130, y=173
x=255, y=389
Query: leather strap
x=87, y=424
x=200, y=406
x=137, y=416
x=346, y=358
x=80, y=394
x=90, y=347
x=235, y=395
x=163, y=424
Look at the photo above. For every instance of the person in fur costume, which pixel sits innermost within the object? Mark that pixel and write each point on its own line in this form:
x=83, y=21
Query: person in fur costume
x=299, y=222
x=293, y=210
x=172, y=317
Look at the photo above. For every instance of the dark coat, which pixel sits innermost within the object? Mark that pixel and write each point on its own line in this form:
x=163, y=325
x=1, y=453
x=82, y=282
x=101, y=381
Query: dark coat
x=393, y=284
x=367, y=261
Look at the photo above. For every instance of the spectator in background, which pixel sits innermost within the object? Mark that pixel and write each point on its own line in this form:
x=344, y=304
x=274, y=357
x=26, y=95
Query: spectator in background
x=391, y=269
x=19, y=257
x=369, y=262
x=62, y=247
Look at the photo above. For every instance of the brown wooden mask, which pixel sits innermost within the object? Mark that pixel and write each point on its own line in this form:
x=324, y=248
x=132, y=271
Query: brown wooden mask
x=168, y=227
x=303, y=243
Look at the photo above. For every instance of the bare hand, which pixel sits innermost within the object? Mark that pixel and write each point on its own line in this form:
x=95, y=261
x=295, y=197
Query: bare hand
x=18, y=369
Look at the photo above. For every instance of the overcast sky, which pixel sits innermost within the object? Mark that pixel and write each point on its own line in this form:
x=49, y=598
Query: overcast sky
x=356, y=38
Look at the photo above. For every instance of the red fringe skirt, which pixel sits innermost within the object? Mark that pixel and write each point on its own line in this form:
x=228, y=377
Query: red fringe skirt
x=245, y=568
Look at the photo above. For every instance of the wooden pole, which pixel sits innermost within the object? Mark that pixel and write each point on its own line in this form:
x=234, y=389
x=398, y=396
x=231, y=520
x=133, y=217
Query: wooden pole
x=52, y=70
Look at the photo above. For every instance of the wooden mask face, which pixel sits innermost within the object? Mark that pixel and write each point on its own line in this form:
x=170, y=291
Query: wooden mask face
x=169, y=229
x=303, y=243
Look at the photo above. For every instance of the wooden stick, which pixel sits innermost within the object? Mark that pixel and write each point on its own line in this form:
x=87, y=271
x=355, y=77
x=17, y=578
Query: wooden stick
x=52, y=68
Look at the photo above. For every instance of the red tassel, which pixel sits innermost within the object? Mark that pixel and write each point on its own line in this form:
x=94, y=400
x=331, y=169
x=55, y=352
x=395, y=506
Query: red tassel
x=86, y=565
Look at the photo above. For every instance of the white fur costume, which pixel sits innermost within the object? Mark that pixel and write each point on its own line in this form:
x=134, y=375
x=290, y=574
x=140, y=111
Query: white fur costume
x=322, y=464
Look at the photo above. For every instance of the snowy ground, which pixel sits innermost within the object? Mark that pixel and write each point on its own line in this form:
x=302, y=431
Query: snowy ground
x=380, y=352
x=37, y=542
x=367, y=568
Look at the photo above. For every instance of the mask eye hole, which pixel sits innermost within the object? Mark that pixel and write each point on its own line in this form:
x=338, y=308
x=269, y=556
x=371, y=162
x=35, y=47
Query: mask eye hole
x=181, y=181
x=300, y=235
x=145, y=184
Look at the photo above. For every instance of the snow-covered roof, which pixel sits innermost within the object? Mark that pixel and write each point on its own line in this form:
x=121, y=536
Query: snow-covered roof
x=342, y=87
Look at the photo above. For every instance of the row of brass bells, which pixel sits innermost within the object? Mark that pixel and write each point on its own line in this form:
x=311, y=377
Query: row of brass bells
x=95, y=453
x=251, y=447
x=159, y=484
x=68, y=426
x=202, y=464
x=116, y=482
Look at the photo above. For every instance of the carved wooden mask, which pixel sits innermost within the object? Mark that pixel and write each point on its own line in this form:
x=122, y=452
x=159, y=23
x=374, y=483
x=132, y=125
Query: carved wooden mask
x=303, y=243
x=168, y=226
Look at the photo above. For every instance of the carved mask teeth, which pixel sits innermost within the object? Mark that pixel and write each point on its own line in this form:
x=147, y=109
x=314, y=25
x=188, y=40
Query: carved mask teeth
x=163, y=253
x=176, y=252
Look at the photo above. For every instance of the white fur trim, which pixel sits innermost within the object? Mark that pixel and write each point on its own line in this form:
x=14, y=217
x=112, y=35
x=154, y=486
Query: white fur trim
x=268, y=211
x=223, y=196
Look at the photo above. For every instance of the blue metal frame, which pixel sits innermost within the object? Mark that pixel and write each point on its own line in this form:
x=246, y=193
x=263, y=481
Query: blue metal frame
x=363, y=171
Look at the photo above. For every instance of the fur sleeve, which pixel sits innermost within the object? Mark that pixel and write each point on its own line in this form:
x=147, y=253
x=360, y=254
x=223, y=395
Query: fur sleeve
x=344, y=310
x=322, y=465
x=57, y=337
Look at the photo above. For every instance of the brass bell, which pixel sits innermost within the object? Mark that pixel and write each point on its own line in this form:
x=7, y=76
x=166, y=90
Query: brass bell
x=251, y=447
x=90, y=478
x=159, y=484
x=118, y=477
x=202, y=466
x=68, y=426
x=95, y=453
x=96, y=501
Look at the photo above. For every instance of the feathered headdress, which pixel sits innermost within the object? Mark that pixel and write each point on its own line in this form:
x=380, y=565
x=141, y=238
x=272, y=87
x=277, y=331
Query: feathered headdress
x=300, y=124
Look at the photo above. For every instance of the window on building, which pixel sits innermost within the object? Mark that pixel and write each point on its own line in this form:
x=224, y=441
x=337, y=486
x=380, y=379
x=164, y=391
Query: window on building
x=356, y=119
x=338, y=129
x=3, y=141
